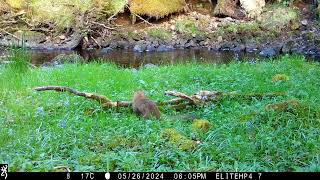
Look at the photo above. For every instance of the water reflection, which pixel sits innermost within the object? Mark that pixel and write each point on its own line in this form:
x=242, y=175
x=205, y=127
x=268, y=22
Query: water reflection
x=126, y=58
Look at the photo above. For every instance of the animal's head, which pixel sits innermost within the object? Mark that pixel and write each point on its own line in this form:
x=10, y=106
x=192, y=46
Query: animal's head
x=138, y=94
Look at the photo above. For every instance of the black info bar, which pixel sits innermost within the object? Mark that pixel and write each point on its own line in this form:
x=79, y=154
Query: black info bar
x=158, y=175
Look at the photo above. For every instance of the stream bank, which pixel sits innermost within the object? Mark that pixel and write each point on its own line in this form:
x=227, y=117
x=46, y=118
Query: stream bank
x=277, y=30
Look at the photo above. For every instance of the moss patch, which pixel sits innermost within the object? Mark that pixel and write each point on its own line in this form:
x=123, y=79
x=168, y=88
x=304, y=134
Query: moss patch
x=201, y=125
x=283, y=106
x=174, y=137
x=120, y=141
x=280, y=77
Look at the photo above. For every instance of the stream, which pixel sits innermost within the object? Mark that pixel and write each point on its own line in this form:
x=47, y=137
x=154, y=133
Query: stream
x=127, y=58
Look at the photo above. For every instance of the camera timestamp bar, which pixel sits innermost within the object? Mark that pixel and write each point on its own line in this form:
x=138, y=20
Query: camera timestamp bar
x=157, y=175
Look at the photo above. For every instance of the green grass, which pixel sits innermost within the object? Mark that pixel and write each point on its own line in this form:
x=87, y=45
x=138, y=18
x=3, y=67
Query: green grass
x=42, y=130
x=188, y=26
x=250, y=30
x=160, y=33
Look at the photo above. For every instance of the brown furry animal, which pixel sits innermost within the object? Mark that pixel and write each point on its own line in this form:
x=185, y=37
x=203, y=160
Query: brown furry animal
x=144, y=107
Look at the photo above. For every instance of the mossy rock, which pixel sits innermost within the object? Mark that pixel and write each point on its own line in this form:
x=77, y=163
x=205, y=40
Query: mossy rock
x=280, y=77
x=278, y=17
x=283, y=106
x=156, y=8
x=228, y=8
x=201, y=125
x=180, y=141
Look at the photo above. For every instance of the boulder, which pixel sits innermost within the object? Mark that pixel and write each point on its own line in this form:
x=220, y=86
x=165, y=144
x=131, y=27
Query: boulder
x=140, y=47
x=228, y=8
x=268, y=52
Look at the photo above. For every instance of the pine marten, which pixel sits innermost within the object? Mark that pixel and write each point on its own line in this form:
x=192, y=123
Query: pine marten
x=144, y=107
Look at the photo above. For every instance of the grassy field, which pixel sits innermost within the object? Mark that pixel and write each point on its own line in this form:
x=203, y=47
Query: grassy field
x=41, y=131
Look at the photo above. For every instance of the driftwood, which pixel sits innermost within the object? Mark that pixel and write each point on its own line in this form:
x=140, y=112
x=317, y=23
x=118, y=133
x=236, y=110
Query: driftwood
x=182, y=99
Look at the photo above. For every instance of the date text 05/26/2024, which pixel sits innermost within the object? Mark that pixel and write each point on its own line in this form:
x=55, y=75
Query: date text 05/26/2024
x=189, y=175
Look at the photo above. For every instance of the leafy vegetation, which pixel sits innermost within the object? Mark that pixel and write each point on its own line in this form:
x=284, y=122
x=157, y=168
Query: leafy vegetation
x=19, y=60
x=44, y=130
x=248, y=30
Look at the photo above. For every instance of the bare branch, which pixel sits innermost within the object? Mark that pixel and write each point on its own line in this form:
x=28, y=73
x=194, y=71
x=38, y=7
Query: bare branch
x=101, y=99
x=180, y=95
x=183, y=100
x=103, y=25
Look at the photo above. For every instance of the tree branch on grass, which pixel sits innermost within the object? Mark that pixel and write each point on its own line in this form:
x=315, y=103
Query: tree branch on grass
x=104, y=101
x=182, y=99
